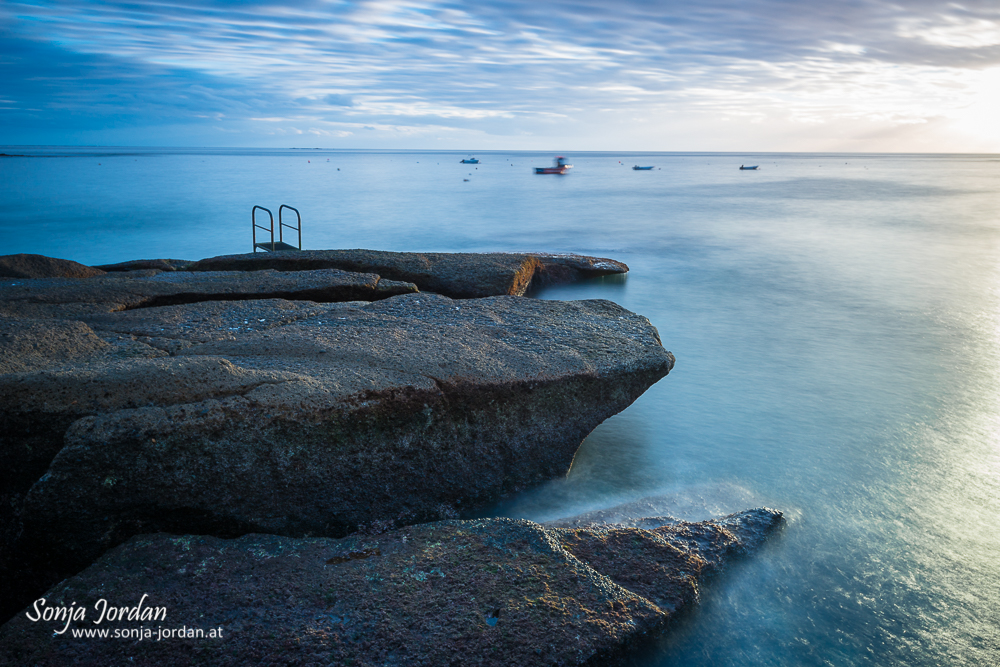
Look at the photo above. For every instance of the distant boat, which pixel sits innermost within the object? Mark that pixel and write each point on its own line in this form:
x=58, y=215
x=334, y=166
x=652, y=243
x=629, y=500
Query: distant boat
x=742, y=168
x=638, y=168
x=470, y=160
x=560, y=167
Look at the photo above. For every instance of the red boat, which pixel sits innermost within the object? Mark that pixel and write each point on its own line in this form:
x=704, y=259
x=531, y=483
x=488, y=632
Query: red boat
x=560, y=168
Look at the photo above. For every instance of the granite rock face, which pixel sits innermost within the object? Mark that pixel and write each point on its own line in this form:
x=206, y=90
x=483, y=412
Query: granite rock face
x=297, y=418
x=484, y=592
x=456, y=275
x=40, y=266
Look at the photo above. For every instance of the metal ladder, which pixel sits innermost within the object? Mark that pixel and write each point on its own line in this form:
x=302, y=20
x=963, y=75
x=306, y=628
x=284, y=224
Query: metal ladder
x=280, y=244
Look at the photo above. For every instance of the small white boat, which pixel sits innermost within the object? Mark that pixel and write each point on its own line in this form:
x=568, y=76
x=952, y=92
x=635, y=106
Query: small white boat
x=638, y=168
x=742, y=168
x=470, y=160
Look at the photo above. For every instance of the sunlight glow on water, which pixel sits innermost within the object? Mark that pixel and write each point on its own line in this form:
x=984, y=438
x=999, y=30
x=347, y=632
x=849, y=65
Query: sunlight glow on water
x=836, y=322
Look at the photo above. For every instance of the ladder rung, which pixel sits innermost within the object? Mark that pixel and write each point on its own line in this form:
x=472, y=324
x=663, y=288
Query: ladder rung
x=277, y=245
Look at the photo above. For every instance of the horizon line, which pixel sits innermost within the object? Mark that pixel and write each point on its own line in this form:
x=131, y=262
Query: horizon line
x=482, y=151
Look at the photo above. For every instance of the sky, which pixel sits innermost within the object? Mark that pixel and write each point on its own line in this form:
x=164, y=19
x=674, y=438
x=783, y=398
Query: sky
x=708, y=75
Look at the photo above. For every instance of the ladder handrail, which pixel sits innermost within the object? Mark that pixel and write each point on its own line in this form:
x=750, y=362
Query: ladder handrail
x=282, y=225
x=253, y=219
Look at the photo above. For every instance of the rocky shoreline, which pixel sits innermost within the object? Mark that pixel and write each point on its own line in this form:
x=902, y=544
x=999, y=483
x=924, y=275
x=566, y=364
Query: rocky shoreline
x=483, y=592
x=302, y=405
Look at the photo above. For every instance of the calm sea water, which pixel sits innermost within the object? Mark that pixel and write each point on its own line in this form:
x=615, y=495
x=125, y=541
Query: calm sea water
x=835, y=320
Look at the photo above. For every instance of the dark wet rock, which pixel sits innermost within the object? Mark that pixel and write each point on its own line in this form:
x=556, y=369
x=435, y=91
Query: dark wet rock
x=720, y=539
x=40, y=266
x=141, y=264
x=456, y=275
x=72, y=299
x=484, y=592
x=729, y=535
x=312, y=419
x=714, y=541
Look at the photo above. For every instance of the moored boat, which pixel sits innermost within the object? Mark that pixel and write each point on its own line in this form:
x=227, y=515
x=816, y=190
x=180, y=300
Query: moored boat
x=470, y=160
x=560, y=167
x=638, y=168
x=742, y=168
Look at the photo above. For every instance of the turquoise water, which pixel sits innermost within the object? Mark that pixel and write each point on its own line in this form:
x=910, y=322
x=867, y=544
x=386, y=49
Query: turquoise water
x=835, y=320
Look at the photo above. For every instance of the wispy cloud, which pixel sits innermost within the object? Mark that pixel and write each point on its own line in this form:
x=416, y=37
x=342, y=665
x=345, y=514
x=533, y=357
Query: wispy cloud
x=508, y=72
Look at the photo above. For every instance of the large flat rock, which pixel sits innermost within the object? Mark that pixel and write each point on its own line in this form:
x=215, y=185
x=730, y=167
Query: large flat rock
x=457, y=275
x=485, y=592
x=301, y=418
x=72, y=299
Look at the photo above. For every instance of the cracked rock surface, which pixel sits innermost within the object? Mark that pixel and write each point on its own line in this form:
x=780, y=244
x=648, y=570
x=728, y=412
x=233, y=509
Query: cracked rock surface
x=483, y=592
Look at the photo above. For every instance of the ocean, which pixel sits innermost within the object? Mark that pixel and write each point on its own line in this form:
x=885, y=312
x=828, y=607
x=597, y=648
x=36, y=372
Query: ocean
x=835, y=318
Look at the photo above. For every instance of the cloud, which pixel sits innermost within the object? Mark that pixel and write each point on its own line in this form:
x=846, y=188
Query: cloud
x=508, y=66
x=339, y=100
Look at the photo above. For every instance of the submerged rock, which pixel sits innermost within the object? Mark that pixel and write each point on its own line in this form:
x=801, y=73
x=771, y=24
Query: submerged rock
x=309, y=419
x=40, y=266
x=484, y=592
x=456, y=275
